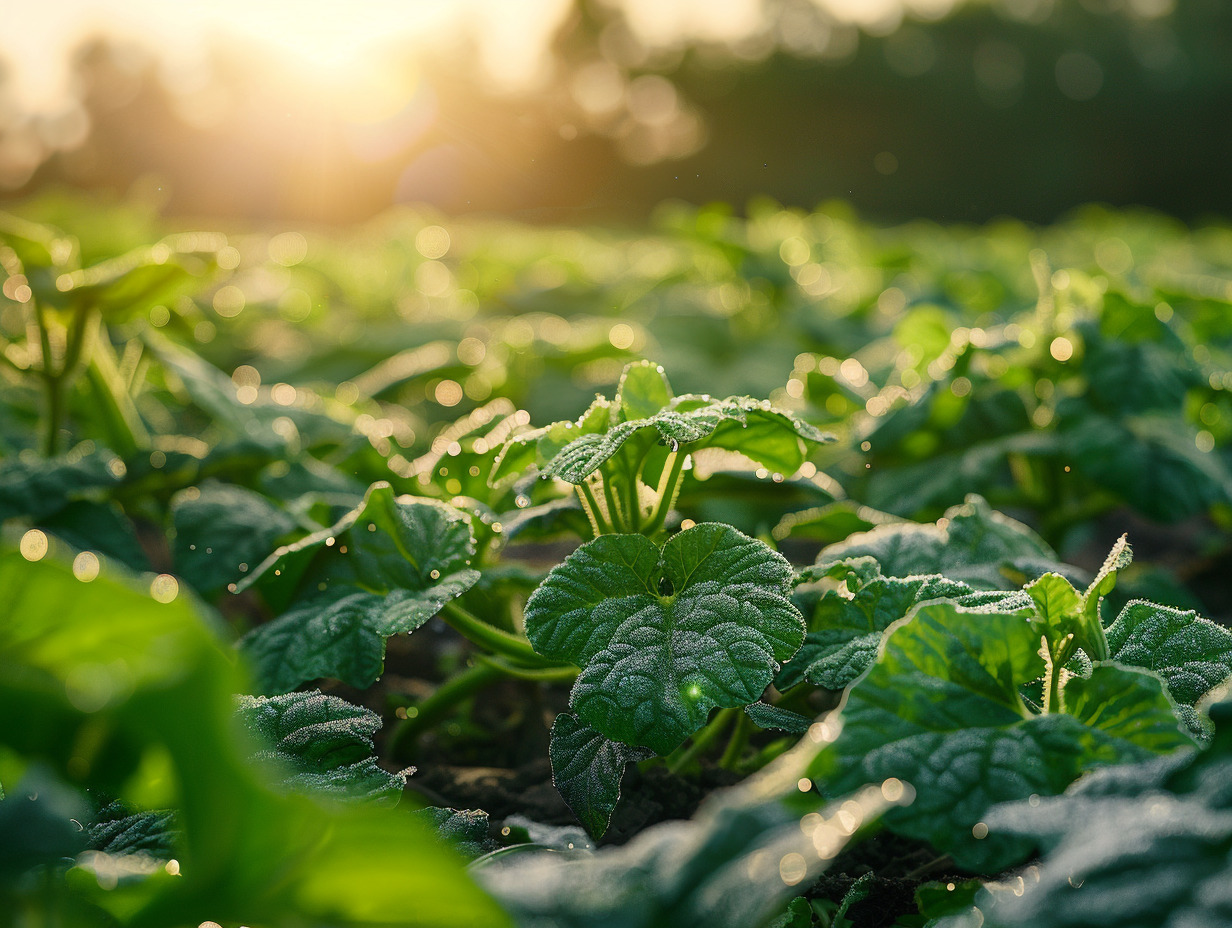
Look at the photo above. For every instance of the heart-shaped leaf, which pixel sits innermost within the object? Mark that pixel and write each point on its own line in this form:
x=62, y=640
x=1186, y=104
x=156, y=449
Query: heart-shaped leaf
x=664, y=635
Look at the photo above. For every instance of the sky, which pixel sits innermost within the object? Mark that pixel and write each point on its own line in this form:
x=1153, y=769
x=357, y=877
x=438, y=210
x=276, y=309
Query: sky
x=333, y=38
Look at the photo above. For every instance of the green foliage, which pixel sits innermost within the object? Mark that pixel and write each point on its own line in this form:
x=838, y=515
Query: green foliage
x=1138, y=846
x=110, y=680
x=941, y=709
x=386, y=567
x=971, y=544
x=664, y=635
x=587, y=769
x=322, y=744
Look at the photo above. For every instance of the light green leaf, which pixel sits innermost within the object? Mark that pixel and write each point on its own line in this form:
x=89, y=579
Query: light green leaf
x=663, y=636
x=322, y=744
x=587, y=769
x=941, y=710
x=385, y=568
x=643, y=391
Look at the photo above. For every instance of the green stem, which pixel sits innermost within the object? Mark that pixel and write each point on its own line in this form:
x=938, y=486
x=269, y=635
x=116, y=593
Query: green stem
x=702, y=740
x=597, y=520
x=52, y=388
x=446, y=698
x=736, y=743
x=546, y=675
x=767, y=754
x=613, y=507
x=666, y=493
x=635, y=503
x=494, y=639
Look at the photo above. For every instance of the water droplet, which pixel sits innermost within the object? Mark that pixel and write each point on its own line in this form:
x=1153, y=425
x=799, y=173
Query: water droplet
x=522, y=502
x=434, y=574
x=777, y=478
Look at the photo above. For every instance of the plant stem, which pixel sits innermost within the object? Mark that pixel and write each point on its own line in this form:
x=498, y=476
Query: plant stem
x=666, y=493
x=613, y=507
x=598, y=521
x=494, y=639
x=546, y=675
x=767, y=754
x=736, y=743
x=702, y=740
x=445, y=698
x=635, y=503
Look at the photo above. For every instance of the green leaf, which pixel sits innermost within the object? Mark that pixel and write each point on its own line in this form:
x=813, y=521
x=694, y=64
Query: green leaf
x=387, y=567
x=34, y=486
x=1138, y=846
x=643, y=391
x=117, y=830
x=771, y=717
x=940, y=709
x=321, y=744
x=735, y=864
x=971, y=544
x=799, y=914
x=845, y=630
x=465, y=829
x=756, y=429
x=1190, y=653
x=538, y=446
x=218, y=528
x=103, y=664
x=663, y=636
x=587, y=769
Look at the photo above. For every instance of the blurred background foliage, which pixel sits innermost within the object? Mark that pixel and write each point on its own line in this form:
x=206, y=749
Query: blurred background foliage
x=597, y=110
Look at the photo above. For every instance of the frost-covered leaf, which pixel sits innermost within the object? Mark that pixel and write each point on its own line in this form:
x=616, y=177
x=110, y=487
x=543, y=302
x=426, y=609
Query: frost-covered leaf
x=1190, y=653
x=322, y=743
x=845, y=630
x=385, y=568
x=466, y=829
x=1142, y=846
x=941, y=710
x=771, y=717
x=587, y=769
x=117, y=830
x=733, y=865
x=971, y=543
x=756, y=429
x=665, y=635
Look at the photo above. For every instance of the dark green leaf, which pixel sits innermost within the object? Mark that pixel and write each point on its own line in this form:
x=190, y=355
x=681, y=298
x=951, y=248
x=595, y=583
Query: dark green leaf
x=971, y=544
x=940, y=709
x=663, y=636
x=587, y=769
x=321, y=744
x=385, y=568
x=845, y=630
x=765, y=715
x=1190, y=653
x=220, y=527
x=465, y=829
x=117, y=830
